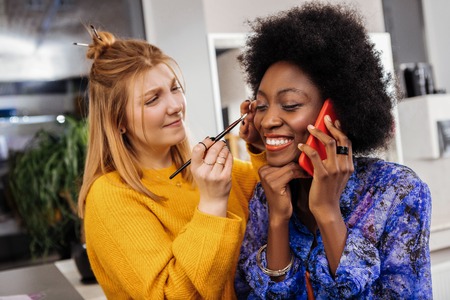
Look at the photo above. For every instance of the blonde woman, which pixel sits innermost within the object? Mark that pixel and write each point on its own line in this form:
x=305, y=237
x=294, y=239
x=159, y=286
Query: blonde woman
x=149, y=237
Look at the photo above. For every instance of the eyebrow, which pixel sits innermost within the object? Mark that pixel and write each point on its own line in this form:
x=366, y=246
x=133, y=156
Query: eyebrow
x=153, y=90
x=285, y=91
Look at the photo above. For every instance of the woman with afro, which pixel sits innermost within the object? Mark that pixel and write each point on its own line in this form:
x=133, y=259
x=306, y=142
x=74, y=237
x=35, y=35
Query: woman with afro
x=359, y=226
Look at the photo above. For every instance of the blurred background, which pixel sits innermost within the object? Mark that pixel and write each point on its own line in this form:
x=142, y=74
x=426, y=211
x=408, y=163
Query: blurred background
x=43, y=100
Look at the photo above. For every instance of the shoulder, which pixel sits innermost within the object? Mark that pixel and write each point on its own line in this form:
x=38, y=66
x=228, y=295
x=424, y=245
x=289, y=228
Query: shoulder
x=239, y=164
x=391, y=182
x=244, y=173
x=381, y=172
x=109, y=191
x=108, y=181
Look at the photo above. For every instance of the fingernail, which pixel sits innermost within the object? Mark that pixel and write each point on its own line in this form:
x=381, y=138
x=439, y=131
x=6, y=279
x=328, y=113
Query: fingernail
x=337, y=124
x=327, y=117
x=299, y=146
x=310, y=126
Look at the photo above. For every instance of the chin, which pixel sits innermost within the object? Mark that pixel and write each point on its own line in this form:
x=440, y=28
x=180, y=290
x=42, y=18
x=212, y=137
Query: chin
x=177, y=138
x=278, y=162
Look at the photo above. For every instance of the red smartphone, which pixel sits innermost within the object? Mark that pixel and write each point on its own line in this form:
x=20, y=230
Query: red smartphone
x=304, y=161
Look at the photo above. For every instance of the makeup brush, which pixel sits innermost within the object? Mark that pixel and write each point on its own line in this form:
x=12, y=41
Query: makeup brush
x=217, y=138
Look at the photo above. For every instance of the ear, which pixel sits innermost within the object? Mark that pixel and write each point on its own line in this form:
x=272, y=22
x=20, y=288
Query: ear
x=122, y=130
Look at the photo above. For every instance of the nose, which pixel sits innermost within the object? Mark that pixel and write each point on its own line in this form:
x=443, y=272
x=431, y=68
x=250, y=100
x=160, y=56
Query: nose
x=271, y=118
x=175, y=104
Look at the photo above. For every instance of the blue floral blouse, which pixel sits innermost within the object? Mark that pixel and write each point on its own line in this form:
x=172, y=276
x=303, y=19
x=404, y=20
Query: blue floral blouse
x=387, y=210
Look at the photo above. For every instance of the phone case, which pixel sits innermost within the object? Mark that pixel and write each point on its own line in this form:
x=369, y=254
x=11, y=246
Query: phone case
x=304, y=161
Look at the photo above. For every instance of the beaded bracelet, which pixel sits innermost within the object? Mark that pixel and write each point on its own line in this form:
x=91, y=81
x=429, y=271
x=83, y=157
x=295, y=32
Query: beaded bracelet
x=272, y=273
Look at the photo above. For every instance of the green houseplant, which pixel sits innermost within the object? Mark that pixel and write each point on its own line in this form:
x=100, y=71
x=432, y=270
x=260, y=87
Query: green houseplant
x=44, y=182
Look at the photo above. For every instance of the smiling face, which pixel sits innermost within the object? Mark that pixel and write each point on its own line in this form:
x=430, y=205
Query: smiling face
x=286, y=103
x=155, y=114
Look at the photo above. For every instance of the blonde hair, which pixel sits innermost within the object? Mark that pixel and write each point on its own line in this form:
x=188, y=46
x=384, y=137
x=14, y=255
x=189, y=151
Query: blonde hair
x=116, y=63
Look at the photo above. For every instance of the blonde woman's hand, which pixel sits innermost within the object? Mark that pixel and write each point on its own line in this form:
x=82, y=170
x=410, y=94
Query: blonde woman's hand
x=211, y=167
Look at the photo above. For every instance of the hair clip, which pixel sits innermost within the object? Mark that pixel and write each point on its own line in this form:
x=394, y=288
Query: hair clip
x=81, y=44
x=95, y=32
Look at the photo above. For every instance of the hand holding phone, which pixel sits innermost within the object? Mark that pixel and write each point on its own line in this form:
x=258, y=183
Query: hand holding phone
x=304, y=161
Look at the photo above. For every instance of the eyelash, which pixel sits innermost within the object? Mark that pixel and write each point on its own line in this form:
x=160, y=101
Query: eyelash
x=292, y=107
x=149, y=102
x=156, y=97
x=176, y=88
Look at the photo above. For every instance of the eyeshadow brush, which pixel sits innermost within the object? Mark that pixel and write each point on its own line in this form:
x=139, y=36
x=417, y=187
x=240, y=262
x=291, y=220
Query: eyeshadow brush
x=217, y=138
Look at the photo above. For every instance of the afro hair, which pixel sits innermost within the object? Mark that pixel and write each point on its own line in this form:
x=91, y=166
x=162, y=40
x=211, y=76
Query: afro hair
x=330, y=44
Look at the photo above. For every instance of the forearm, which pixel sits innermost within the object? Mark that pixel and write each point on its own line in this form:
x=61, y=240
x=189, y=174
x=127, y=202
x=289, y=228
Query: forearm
x=207, y=251
x=278, y=250
x=334, y=235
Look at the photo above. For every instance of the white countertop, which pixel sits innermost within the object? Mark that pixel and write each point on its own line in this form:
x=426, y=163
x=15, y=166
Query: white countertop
x=87, y=291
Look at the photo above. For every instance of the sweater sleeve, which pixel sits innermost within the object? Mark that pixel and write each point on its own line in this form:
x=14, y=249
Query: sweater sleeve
x=133, y=254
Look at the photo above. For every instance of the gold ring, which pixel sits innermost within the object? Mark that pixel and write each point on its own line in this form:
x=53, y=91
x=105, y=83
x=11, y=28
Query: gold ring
x=209, y=164
x=223, y=156
x=220, y=163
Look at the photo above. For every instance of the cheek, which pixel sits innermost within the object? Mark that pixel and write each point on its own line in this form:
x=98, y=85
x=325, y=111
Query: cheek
x=183, y=110
x=299, y=127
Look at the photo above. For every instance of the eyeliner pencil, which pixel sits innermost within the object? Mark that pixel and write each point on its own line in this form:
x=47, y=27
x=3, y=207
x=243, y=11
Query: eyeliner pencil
x=217, y=138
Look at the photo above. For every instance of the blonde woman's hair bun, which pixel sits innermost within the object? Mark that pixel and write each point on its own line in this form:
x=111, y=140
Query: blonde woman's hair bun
x=101, y=41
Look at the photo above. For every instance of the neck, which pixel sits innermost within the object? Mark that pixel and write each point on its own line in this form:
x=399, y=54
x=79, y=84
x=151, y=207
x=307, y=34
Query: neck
x=300, y=196
x=155, y=158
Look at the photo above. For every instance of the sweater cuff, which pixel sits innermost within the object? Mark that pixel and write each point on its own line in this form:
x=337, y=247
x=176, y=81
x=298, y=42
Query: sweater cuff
x=206, y=222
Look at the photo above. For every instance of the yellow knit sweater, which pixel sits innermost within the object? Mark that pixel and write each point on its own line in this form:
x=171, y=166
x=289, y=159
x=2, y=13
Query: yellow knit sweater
x=144, y=249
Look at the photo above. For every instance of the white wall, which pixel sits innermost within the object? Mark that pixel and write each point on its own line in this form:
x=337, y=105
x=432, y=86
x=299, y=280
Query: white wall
x=179, y=30
x=437, y=23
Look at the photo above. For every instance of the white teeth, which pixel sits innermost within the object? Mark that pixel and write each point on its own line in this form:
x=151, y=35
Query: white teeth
x=277, y=142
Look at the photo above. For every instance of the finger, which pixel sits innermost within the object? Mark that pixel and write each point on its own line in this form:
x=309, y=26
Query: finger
x=227, y=167
x=223, y=156
x=245, y=106
x=341, y=160
x=328, y=141
x=341, y=139
x=336, y=132
x=213, y=152
x=245, y=109
x=314, y=156
x=199, y=150
x=281, y=174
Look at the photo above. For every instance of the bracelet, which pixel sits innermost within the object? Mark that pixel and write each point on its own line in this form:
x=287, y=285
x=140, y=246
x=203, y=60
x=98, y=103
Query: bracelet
x=272, y=273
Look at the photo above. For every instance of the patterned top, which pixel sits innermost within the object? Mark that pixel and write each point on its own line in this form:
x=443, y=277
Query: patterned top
x=387, y=210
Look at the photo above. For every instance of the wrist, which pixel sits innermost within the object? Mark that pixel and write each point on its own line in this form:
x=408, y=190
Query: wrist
x=327, y=217
x=273, y=273
x=215, y=208
x=278, y=222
